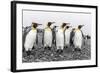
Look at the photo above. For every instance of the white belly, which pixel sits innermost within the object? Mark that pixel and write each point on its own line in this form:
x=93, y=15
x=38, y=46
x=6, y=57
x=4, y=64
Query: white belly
x=78, y=39
x=59, y=39
x=30, y=40
x=47, y=38
x=67, y=37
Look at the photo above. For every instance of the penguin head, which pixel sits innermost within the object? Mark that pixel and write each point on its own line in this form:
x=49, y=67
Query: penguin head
x=64, y=24
x=34, y=25
x=67, y=27
x=80, y=26
x=49, y=23
x=55, y=26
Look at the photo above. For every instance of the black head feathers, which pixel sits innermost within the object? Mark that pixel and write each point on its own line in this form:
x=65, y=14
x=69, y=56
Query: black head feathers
x=49, y=23
x=80, y=26
x=34, y=25
x=64, y=24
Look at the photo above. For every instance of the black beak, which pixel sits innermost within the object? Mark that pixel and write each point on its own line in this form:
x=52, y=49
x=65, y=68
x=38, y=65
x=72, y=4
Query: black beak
x=64, y=24
x=39, y=24
x=52, y=22
x=82, y=25
x=70, y=26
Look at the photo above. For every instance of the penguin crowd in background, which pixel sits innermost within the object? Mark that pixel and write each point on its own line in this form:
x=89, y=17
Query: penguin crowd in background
x=62, y=37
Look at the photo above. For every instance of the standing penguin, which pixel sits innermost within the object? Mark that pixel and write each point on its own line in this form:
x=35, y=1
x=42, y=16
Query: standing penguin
x=71, y=37
x=78, y=38
x=67, y=36
x=60, y=38
x=30, y=39
x=48, y=36
x=25, y=32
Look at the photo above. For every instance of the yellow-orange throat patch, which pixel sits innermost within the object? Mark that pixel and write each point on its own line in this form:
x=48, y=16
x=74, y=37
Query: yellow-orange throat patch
x=48, y=29
x=33, y=29
x=76, y=30
x=62, y=28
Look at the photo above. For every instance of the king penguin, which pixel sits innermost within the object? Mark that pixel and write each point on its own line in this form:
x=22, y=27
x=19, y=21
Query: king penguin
x=60, y=38
x=30, y=39
x=78, y=38
x=48, y=36
x=67, y=36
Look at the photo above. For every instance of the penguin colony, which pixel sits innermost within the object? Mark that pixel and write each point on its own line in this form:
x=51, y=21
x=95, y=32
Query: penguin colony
x=62, y=37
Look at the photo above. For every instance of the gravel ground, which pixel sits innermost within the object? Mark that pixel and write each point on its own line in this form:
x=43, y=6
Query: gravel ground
x=41, y=55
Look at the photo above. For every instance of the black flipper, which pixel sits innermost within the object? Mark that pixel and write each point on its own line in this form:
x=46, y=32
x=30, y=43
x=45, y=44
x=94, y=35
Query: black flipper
x=82, y=34
x=64, y=37
x=53, y=36
x=37, y=38
x=43, y=38
x=71, y=37
x=83, y=37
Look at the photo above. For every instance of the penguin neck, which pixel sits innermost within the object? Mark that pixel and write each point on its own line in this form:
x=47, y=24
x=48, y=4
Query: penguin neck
x=33, y=28
x=62, y=28
x=48, y=28
x=77, y=29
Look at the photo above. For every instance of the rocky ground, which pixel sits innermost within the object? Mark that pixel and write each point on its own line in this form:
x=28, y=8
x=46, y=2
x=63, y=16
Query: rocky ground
x=41, y=55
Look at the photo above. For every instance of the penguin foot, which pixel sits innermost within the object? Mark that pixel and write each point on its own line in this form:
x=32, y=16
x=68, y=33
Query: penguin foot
x=28, y=53
x=45, y=48
x=49, y=48
x=33, y=48
x=59, y=51
x=66, y=46
x=77, y=49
